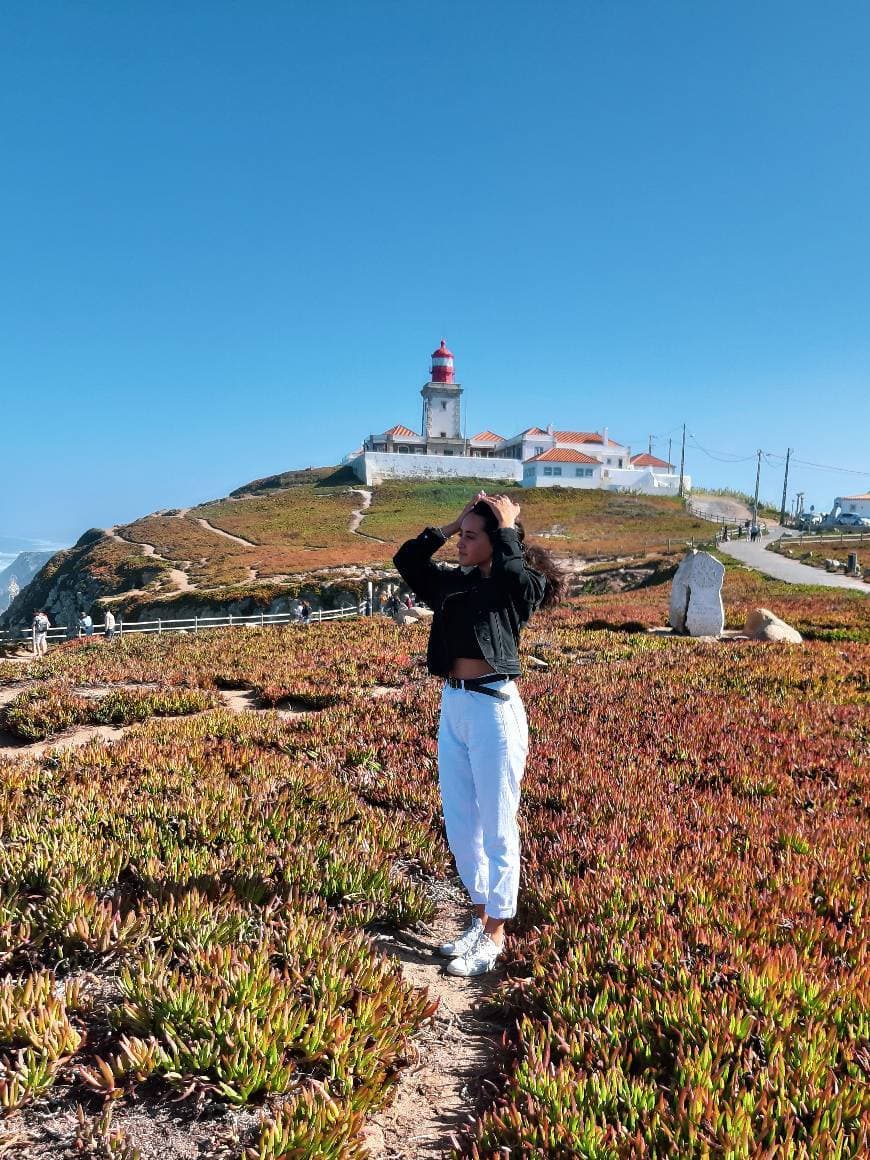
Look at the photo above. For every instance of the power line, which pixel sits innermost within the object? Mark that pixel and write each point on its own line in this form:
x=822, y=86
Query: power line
x=722, y=456
x=771, y=456
x=830, y=467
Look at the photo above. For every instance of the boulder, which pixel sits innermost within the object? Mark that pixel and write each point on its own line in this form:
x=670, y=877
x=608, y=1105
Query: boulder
x=762, y=624
x=412, y=615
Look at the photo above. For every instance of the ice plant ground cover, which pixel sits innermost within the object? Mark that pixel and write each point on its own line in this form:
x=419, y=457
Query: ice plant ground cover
x=689, y=973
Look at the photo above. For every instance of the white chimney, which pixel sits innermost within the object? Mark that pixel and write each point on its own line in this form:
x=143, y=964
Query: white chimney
x=604, y=436
x=549, y=428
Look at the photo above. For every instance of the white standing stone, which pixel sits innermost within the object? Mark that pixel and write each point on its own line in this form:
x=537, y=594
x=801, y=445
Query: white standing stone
x=696, y=596
x=679, y=605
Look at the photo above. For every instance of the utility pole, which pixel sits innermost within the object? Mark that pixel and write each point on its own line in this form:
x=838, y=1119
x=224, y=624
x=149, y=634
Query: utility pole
x=650, y=444
x=757, y=483
x=670, y=464
x=682, y=463
x=784, y=488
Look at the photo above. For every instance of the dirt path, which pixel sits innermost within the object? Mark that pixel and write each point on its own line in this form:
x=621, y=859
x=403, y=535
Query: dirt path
x=438, y=1094
x=719, y=507
x=356, y=517
x=226, y=535
x=180, y=579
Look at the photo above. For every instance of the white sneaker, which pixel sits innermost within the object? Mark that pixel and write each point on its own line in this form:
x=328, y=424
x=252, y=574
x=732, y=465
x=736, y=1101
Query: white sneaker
x=465, y=942
x=477, y=960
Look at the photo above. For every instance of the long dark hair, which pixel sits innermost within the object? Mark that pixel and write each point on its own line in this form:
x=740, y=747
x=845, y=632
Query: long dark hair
x=535, y=556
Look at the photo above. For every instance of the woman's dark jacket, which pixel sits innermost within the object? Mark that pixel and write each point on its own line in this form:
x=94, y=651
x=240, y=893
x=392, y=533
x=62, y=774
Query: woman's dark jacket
x=501, y=604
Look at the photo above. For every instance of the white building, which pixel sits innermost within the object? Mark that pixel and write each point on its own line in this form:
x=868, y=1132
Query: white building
x=859, y=504
x=562, y=467
x=536, y=457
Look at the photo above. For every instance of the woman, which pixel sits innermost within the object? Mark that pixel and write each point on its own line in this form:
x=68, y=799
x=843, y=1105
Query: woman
x=480, y=609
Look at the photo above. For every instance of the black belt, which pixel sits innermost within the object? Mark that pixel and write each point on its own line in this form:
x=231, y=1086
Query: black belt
x=478, y=684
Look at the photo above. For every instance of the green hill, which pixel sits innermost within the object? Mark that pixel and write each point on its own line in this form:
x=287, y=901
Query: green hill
x=276, y=533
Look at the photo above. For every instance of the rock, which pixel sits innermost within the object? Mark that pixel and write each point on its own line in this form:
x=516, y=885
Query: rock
x=696, y=595
x=762, y=624
x=412, y=615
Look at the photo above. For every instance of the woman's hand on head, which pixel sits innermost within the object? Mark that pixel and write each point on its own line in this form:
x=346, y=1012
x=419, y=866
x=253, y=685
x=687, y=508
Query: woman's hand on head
x=474, y=500
x=504, y=508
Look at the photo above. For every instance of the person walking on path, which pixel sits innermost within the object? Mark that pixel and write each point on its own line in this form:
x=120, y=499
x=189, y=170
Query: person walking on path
x=41, y=625
x=480, y=609
x=109, y=628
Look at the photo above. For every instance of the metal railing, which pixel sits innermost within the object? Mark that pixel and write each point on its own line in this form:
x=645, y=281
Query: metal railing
x=59, y=633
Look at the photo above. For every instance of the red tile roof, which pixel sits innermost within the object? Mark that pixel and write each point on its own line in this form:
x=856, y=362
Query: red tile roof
x=403, y=432
x=563, y=455
x=866, y=495
x=534, y=431
x=486, y=437
x=578, y=437
x=647, y=460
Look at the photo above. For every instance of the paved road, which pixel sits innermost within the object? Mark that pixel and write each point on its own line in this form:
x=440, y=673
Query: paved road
x=782, y=568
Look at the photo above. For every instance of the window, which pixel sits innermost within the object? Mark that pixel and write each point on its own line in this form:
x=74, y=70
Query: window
x=443, y=404
x=448, y=451
x=589, y=472
x=548, y=471
x=538, y=451
x=419, y=450
x=619, y=461
x=404, y=450
x=580, y=471
x=443, y=434
x=557, y=471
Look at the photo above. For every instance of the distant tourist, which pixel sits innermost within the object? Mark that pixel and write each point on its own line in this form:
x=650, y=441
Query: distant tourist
x=480, y=608
x=304, y=611
x=109, y=628
x=41, y=625
x=86, y=624
x=409, y=601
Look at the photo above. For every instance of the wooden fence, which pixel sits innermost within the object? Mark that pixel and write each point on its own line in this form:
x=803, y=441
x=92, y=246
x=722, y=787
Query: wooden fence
x=59, y=633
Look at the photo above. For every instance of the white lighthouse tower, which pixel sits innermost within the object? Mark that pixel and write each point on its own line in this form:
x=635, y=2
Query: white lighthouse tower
x=442, y=419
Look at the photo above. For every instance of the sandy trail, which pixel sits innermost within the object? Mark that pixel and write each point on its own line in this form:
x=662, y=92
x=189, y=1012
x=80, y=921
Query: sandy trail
x=438, y=1094
x=178, y=578
x=226, y=535
x=720, y=507
x=356, y=517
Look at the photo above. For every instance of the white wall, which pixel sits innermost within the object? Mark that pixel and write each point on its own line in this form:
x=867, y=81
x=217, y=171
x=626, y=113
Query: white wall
x=645, y=480
x=374, y=466
x=860, y=507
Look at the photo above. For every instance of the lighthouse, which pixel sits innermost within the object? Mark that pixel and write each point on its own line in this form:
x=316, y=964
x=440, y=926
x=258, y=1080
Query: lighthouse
x=442, y=364
x=442, y=422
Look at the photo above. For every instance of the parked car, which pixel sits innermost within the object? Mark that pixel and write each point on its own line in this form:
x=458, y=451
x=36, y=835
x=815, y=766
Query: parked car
x=809, y=519
x=852, y=520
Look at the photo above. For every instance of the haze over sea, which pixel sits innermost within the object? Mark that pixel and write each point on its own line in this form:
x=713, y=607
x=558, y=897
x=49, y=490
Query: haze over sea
x=12, y=546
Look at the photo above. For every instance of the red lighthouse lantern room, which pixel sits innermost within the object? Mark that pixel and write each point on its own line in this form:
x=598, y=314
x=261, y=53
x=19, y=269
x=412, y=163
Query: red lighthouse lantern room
x=442, y=364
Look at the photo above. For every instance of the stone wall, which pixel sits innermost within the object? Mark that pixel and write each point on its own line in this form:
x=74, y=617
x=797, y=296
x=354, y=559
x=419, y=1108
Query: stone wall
x=373, y=467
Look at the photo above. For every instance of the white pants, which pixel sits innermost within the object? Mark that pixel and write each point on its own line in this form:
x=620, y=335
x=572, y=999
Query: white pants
x=482, y=746
x=40, y=644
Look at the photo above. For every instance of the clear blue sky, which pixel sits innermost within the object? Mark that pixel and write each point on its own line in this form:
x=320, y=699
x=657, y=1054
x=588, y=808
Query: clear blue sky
x=232, y=234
